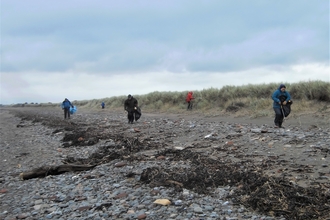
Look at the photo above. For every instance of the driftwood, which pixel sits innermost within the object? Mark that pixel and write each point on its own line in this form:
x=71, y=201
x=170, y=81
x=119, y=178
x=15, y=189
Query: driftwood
x=46, y=171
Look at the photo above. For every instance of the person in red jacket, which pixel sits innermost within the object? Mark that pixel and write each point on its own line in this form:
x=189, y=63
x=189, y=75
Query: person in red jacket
x=189, y=99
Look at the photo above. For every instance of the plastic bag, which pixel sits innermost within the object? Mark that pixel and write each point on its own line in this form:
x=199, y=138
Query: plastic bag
x=137, y=113
x=73, y=110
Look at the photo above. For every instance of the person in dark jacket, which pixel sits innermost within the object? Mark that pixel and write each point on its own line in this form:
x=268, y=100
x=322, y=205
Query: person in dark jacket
x=130, y=106
x=102, y=105
x=281, y=97
x=66, y=104
x=189, y=99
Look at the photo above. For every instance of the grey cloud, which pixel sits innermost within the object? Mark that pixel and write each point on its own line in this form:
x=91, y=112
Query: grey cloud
x=121, y=37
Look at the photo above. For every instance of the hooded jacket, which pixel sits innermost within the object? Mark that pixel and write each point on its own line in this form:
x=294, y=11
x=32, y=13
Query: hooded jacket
x=130, y=104
x=277, y=94
x=66, y=104
x=189, y=97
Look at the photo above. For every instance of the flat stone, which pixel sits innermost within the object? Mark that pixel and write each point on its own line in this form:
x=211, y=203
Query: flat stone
x=22, y=216
x=84, y=208
x=120, y=164
x=121, y=195
x=3, y=190
x=142, y=216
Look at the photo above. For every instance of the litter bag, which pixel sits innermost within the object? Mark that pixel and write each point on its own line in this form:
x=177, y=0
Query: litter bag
x=287, y=108
x=137, y=113
x=73, y=110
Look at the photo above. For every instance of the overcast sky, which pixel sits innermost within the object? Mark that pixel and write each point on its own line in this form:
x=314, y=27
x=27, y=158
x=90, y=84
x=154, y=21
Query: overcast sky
x=79, y=49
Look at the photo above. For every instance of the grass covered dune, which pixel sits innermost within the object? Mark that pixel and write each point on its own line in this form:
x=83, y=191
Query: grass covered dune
x=247, y=100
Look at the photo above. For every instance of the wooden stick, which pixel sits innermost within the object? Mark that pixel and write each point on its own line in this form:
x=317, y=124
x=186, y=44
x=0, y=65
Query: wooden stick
x=45, y=171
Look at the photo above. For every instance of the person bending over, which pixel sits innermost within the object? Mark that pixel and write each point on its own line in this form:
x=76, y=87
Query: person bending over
x=280, y=98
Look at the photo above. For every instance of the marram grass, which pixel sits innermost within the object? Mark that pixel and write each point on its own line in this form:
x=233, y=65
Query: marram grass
x=251, y=100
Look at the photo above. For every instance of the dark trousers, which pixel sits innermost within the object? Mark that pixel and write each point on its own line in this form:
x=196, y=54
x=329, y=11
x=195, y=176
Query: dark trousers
x=278, y=117
x=189, y=105
x=67, y=112
x=130, y=116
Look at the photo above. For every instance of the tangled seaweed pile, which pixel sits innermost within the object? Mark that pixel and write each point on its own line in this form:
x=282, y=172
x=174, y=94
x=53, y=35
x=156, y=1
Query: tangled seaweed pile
x=265, y=194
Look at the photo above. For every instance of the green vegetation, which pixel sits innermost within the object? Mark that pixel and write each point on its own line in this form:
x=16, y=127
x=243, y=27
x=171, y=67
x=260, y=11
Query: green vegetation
x=252, y=100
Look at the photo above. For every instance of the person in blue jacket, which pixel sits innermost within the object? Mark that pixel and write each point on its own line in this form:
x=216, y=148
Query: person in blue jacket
x=280, y=97
x=102, y=105
x=66, y=104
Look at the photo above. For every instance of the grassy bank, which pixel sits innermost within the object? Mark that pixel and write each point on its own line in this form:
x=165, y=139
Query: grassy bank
x=251, y=100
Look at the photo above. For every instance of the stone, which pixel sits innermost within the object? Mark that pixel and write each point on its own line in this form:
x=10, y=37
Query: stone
x=198, y=210
x=142, y=216
x=22, y=216
x=121, y=195
x=120, y=164
x=3, y=190
x=84, y=208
